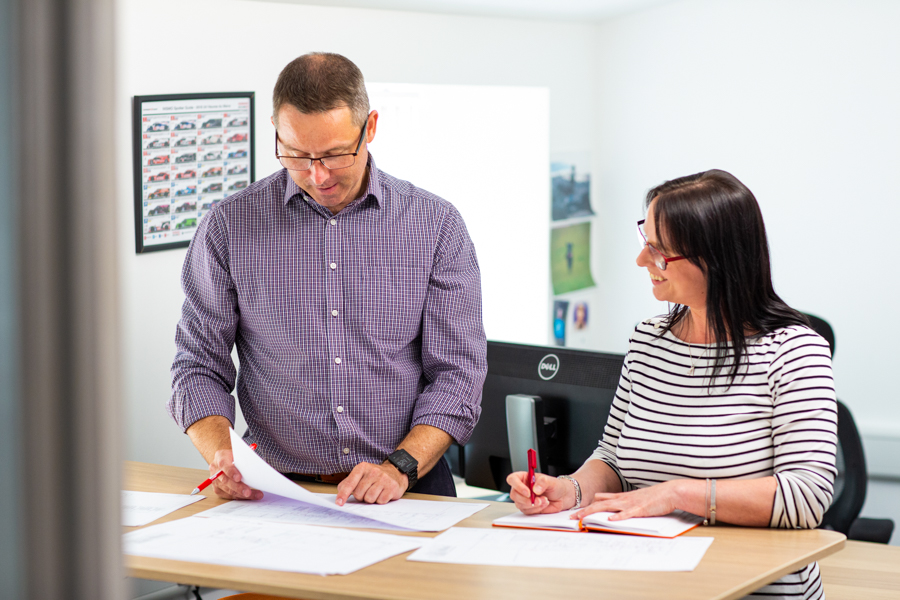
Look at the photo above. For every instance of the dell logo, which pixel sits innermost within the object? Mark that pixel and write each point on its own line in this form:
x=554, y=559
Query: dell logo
x=548, y=367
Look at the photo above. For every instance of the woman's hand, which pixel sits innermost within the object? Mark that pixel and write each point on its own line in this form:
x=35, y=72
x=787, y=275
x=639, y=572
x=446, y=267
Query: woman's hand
x=552, y=495
x=653, y=501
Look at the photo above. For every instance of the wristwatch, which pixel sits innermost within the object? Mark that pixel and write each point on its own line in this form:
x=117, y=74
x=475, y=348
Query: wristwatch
x=407, y=465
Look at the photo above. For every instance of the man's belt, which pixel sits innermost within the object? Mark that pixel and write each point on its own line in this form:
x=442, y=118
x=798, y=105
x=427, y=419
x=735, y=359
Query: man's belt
x=333, y=478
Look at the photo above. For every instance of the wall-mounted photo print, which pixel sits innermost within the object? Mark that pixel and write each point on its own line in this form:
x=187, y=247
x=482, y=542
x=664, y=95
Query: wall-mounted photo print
x=570, y=182
x=580, y=316
x=570, y=258
x=191, y=151
x=560, y=308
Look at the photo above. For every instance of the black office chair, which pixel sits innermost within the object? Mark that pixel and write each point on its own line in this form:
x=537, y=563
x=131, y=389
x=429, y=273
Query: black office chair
x=852, y=479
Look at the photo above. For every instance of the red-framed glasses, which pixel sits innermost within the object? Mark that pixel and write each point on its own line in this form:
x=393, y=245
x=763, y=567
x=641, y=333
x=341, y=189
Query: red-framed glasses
x=658, y=259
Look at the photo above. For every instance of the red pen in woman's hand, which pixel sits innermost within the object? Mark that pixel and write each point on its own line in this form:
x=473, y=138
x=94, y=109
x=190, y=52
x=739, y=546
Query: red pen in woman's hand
x=206, y=483
x=532, y=465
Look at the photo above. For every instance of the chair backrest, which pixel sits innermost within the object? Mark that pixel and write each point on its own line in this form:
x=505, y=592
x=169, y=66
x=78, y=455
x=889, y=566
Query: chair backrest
x=850, y=486
x=852, y=480
x=823, y=328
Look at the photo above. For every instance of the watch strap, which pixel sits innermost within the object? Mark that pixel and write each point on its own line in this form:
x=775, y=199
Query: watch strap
x=407, y=465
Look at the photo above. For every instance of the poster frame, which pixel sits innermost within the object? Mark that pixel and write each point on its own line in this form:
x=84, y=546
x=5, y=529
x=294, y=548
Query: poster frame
x=137, y=160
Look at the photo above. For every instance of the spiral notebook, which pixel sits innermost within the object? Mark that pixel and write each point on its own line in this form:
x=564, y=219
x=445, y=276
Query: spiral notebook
x=668, y=526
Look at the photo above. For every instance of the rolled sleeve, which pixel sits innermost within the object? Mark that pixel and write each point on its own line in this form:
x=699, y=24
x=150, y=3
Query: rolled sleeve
x=203, y=374
x=804, y=431
x=454, y=347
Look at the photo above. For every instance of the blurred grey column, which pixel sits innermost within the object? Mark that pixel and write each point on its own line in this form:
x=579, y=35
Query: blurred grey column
x=67, y=294
x=10, y=423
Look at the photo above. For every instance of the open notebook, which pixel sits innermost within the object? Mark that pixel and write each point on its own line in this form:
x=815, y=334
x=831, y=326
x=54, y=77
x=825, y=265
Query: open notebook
x=669, y=526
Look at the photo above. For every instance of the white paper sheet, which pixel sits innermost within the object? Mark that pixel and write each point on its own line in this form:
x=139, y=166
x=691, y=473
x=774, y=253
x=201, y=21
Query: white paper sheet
x=561, y=550
x=414, y=515
x=259, y=475
x=418, y=515
x=140, y=508
x=267, y=545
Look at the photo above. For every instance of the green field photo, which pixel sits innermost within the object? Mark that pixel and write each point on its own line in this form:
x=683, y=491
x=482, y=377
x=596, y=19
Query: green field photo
x=570, y=258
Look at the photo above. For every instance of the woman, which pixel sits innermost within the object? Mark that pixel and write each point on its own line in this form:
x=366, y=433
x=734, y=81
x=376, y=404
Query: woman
x=726, y=405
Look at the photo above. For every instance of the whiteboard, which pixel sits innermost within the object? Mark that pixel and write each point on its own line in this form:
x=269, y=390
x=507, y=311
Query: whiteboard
x=485, y=149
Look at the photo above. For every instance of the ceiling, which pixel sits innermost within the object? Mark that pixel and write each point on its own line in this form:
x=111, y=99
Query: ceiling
x=557, y=10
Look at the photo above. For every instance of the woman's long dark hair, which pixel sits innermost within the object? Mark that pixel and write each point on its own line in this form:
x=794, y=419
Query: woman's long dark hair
x=713, y=220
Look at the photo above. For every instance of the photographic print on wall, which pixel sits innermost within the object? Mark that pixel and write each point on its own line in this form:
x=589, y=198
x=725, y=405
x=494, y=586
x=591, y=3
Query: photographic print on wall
x=191, y=151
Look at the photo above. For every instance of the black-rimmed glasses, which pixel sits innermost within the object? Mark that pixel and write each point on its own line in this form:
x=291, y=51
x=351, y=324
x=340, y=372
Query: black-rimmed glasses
x=338, y=161
x=658, y=259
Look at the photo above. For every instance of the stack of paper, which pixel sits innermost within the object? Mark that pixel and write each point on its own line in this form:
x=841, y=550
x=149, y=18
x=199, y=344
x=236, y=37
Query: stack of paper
x=410, y=515
x=267, y=545
x=140, y=508
x=399, y=515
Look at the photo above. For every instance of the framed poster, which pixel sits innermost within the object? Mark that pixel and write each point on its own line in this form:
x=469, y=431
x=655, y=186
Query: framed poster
x=190, y=152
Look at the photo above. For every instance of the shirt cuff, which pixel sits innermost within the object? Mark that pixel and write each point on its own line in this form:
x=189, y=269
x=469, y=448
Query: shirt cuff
x=190, y=405
x=459, y=427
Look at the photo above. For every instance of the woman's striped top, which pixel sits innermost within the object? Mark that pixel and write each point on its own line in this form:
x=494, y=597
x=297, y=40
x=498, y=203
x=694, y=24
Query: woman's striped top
x=779, y=417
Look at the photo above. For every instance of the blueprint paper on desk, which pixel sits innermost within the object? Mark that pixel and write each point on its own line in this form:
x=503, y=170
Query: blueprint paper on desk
x=403, y=514
x=562, y=550
x=414, y=515
x=267, y=545
x=140, y=508
x=286, y=510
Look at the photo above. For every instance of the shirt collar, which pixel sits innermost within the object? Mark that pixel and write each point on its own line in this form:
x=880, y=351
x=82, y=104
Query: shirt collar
x=373, y=188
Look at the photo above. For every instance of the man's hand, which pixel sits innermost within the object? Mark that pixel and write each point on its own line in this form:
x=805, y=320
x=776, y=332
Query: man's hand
x=228, y=484
x=373, y=484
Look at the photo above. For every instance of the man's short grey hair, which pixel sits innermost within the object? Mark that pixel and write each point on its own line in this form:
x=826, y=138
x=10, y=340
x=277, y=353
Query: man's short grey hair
x=320, y=81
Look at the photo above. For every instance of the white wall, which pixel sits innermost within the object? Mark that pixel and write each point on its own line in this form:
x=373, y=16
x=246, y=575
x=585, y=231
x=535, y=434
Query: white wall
x=503, y=214
x=799, y=99
x=158, y=43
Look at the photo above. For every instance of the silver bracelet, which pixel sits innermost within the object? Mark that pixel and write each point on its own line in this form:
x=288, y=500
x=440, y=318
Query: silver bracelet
x=706, y=503
x=712, y=504
x=577, y=488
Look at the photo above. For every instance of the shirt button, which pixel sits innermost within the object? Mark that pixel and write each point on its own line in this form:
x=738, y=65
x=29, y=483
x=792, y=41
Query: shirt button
x=340, y=409
x=338, y=360
x=333, y=266
x=334, y=313
x=346, y=450
x=333, y=221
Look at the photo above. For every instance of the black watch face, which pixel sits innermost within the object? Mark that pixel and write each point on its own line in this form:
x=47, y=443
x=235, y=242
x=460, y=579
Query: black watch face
x=404, y=461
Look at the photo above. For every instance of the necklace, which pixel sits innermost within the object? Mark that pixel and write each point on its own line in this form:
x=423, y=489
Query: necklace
x=690, y=354
x=691, y=370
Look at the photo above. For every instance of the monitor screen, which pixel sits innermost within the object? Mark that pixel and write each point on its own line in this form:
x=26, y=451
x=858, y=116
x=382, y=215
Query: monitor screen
x=576, y=388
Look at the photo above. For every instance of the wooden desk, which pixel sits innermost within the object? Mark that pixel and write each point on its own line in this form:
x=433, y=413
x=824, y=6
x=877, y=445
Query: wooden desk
x=862, y=570
x=739, y=561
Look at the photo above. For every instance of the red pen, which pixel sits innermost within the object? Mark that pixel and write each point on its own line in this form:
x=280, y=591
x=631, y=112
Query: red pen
x=532, y=465
x=206, y=483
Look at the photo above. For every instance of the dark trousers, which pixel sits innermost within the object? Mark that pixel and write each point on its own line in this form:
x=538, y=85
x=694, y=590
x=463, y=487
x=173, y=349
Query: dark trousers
x=438, y=481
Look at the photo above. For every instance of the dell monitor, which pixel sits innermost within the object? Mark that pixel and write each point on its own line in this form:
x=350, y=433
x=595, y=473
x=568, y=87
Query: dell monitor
x=573, y=389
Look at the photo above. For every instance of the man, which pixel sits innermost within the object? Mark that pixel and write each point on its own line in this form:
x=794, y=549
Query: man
x=354, y=300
